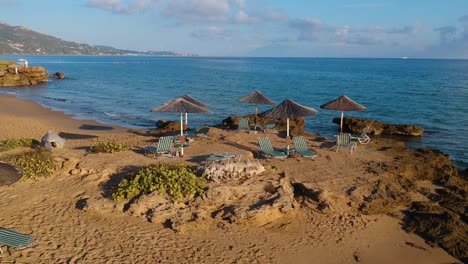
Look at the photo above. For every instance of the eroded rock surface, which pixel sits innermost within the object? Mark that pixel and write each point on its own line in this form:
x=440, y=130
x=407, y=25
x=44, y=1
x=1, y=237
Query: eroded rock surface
x=15, y=75
x=356, y=125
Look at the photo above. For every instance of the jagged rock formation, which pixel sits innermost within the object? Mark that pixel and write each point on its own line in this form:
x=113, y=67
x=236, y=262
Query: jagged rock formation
x=296, y=125
x=356, y=125
x=14, y=75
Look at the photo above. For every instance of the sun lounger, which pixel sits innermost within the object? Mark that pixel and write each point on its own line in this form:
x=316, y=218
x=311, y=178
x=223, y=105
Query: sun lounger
x=164, y=146
x=363, y=138
x=11, y=238
x=267, y=148
x=343, y=141
x=270, y=127
x=243, y=124
x=301, y=147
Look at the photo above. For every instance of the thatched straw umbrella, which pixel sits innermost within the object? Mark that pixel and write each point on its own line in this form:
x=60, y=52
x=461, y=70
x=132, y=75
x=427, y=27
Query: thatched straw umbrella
x=256, y=98
x=343, y=103
x=180, y=105
x=289, y=109
x=193, y=101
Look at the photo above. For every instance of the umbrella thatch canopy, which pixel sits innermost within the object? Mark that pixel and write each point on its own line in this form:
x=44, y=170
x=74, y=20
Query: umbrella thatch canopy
x=343, y=103
x=180, y=105
x=256, y=98
x=193, y=101
x=289, y=109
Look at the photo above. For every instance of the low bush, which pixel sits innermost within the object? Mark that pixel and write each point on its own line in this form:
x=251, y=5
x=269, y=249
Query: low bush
x=108, y=147
x=34, y=164
x=176, y=181
x=10, y=144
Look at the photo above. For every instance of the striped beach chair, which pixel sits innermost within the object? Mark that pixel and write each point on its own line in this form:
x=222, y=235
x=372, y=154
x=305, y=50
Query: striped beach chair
x=301, y=147
x=343, y=141
x=267, y=148
x=164, y=146
x=243, y=124
x=11, y=238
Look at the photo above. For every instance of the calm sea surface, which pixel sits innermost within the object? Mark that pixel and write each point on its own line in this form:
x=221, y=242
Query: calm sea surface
x=122, y=90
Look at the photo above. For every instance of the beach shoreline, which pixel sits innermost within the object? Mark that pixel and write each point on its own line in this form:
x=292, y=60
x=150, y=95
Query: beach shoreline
x=51, y=209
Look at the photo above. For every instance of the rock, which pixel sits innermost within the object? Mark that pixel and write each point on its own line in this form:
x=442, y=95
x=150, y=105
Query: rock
x=52, y=140
x=439, y=226
x=219, y=172
x=59, y=75
x=100, y=205
x=269, y=208
x=296, y=125
x=145, y=203
x=165, y=127
x=356, y=125
x=190, y=219
x=322, y=200
x=385, y=196
x=15, y=75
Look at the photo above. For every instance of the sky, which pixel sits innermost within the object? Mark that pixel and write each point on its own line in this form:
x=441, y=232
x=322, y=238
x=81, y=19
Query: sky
x=266, y=28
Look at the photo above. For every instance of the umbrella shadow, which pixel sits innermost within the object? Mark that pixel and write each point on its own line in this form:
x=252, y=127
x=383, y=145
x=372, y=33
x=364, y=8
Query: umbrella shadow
x=239, y=146
x=95, y=127
x=75, y=136
x=198, y=159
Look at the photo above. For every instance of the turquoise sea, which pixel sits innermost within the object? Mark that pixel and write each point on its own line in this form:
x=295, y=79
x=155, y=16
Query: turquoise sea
x=122, y=90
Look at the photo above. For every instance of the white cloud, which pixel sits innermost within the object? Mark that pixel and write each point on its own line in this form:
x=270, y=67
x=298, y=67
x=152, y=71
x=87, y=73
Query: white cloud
x=212, y=32
x=242, y=17
x=309, y=29
x=119, y=6
x=199, y=10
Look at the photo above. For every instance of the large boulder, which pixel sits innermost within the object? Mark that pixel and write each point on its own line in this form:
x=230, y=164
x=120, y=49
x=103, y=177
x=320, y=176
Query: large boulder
x=14, y=75
x=52, y=140
x=356, y=125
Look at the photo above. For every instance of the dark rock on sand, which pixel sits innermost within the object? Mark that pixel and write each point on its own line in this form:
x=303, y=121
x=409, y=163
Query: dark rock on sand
x=439, y=226
x=356, y=125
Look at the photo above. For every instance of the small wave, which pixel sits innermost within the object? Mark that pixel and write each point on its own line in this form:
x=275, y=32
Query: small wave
x=113, y=114
x=58, y=99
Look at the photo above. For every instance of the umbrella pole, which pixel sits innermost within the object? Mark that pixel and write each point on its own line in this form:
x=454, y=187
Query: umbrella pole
x=287, y=134
x=181, y=132
x=341, y=123
x=186, y=119
x=255, y=120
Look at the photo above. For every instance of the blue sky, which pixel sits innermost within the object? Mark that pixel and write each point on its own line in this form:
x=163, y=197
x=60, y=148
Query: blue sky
x=305, y=28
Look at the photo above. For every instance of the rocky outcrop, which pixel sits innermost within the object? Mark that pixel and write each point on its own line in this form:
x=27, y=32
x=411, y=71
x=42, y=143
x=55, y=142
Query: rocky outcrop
x=14, y=75
x=219, y=172
x=296, y=125
x=356, y=125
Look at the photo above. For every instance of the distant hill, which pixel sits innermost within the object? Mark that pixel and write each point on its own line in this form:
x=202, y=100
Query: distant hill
x=22, y=40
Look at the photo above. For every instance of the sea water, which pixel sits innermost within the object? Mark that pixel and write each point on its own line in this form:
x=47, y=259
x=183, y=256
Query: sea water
x=122, y=90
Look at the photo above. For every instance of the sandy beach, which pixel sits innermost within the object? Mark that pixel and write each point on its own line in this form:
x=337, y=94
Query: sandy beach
x=53, y=209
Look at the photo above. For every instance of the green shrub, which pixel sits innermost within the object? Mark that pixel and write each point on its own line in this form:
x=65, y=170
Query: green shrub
x=176, y=181
x=15, y=143
x=34, y=164
x=107, y=147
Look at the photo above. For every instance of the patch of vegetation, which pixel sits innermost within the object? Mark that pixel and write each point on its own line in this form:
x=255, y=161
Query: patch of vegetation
x=34, y=164
x=10, y=144
x=108, y=147
x=176, y=181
